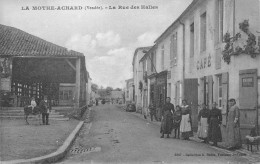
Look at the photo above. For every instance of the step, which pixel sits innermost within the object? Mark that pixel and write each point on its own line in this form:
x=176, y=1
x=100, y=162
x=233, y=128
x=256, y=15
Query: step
x=30, y=117
x=22, y=115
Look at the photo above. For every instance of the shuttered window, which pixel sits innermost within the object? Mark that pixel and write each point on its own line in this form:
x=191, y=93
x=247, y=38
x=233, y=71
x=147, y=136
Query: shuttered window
x=173, y=49
x=219, y=12
x=203, y=31
x=162, y=57
x=192, y=40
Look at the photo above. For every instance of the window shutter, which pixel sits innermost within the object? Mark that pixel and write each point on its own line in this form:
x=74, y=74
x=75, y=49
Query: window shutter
x=225, y=81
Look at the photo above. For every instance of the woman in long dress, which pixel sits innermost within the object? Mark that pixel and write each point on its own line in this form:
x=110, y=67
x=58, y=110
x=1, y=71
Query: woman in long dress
x=185, y=127
x=167, y=121
x=215, y=120
x=233, y=126
x=203, y=123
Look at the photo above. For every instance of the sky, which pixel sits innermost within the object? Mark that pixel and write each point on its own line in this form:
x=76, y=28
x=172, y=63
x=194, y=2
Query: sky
x=108, y=38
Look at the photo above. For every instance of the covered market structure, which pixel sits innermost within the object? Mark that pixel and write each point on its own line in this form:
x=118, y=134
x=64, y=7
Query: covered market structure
x=33, y=67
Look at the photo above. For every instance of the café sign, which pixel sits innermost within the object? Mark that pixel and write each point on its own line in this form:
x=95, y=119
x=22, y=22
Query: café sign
x=203, y=63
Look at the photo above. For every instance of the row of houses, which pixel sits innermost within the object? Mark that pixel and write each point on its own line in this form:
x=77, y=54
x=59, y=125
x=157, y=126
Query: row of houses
x=210, y=53
x=33, y=67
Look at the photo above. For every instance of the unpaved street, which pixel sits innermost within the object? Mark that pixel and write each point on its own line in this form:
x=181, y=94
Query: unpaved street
x=120, y=137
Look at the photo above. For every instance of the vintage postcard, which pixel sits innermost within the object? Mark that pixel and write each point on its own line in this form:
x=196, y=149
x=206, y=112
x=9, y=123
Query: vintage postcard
x=129, y=81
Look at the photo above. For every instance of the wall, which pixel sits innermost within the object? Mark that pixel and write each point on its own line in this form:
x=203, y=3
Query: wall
x=138, y=76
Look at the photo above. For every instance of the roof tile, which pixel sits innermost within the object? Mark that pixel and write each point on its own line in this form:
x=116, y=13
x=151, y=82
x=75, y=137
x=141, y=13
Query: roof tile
x=15, y=42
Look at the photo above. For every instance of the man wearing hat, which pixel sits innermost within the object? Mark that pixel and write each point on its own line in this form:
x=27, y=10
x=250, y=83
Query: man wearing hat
x=45, y=109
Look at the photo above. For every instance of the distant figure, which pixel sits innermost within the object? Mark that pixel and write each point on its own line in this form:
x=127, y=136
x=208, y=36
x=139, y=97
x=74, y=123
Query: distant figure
x=96, y=102
x=215, y=120
x=33, y=104
x=185, y=127
x=45, y=108
x=233, y=125
x=152, y=111
x=177, y=121
x=167, y=118
x=203, y=123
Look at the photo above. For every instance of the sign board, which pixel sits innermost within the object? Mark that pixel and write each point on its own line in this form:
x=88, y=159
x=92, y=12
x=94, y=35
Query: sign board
x=248, y=82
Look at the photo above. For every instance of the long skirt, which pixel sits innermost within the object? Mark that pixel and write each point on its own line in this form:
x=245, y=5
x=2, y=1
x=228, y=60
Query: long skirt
x=166, y=124
x=185, y=127
x=203, y=128
x=214, y=133
x=233, y=135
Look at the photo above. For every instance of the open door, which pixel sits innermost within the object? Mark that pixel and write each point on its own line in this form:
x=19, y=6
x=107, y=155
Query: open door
x=191, y=95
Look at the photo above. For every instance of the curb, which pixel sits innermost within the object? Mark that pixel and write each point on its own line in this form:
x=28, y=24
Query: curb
x=55, y=156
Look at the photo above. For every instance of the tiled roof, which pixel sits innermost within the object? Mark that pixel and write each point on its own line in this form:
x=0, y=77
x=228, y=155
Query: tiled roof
x=15, y=42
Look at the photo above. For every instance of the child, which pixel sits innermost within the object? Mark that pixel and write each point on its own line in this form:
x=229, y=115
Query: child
x=176, y=121
x=33, y=104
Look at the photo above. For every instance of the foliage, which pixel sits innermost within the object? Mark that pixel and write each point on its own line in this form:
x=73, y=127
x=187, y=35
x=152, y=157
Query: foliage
x=102, y=93
x=250, y=48
x=118, y=89
x=109, y=90
x=140, y=85
x=94, y=87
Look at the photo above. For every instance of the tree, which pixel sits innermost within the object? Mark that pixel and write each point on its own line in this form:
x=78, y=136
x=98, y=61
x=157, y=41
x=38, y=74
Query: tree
x=102, y=93
x=109, y=90
x=94, y=87
x=118, y=89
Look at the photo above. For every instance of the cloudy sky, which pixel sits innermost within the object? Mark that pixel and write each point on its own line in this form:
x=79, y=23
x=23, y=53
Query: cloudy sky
x=107, y=38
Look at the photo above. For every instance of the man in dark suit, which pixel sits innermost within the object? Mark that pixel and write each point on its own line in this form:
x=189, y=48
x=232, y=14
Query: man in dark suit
x=45, y=109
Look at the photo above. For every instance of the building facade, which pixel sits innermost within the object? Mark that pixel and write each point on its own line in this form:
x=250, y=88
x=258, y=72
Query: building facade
x=138, y=76
x=129, y=91
x=210, y=54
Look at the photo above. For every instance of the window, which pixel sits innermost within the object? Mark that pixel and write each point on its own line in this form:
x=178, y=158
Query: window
x=192, y=40
x=65, y=95
x=153, y=61
x=162, y=57
x=219, y=21
x=219, y=91
x=203, y=31
x=173, y=50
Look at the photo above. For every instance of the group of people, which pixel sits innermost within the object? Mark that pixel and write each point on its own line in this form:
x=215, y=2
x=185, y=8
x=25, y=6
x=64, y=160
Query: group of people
x=44, y=107
x=209, y=122
x=179, y=120
x=210, y=125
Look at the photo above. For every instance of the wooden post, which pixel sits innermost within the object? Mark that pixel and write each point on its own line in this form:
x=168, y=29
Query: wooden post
x=77, y=88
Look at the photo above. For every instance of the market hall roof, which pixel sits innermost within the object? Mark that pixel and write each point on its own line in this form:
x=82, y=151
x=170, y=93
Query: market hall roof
x=15, y=42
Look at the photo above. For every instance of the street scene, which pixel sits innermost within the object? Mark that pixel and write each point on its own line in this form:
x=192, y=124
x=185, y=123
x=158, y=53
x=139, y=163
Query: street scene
x=126, y=138
x=140, y=81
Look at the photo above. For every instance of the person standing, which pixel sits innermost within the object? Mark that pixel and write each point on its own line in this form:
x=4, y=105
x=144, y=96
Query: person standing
x=33, y=104
x=167, y=119
x=152, y=111
x=45, y=109
x=215, y=120
x=177, y=121
x=233, y=126
x=203, y=123
x=185, y=127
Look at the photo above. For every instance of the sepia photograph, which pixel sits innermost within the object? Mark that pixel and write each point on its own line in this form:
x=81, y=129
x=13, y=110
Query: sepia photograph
x=129, y=81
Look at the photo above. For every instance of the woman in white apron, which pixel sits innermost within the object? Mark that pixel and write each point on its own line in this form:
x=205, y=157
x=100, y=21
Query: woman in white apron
x=185, y=126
